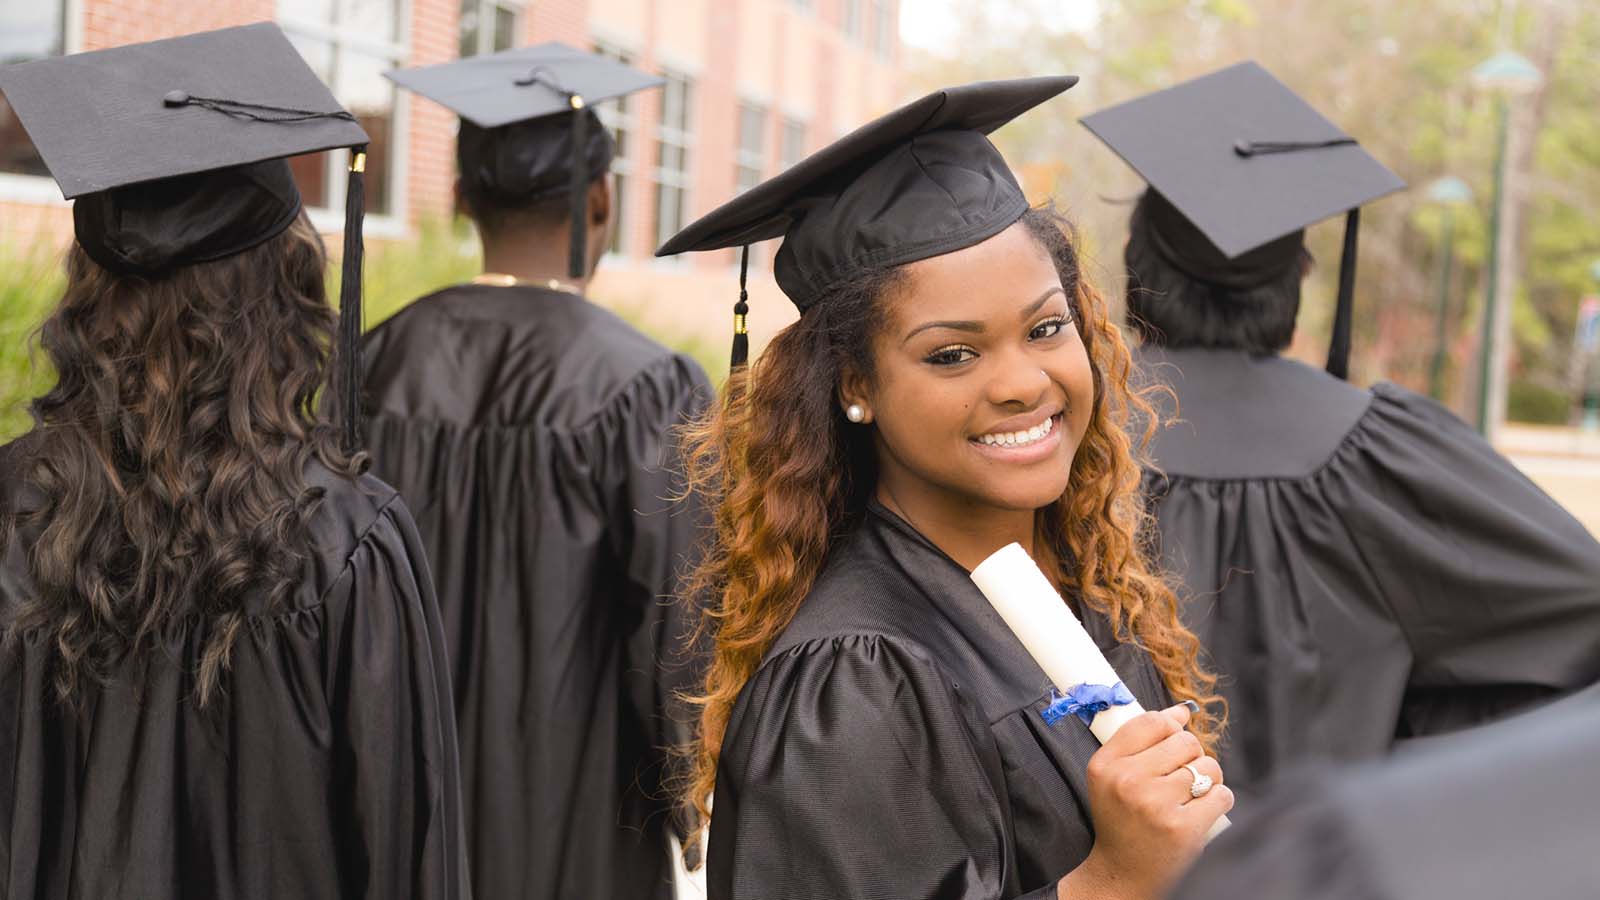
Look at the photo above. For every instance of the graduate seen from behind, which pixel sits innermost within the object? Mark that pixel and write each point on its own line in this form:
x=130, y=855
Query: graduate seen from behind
x=1359, y=564
x=223, y=669
x=870, y=725
x=532, y=433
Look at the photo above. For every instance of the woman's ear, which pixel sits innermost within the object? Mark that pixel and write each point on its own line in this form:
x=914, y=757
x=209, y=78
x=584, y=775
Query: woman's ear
x=855, y=397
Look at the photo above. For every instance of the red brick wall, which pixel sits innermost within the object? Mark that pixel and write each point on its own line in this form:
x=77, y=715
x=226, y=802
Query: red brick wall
x=112, y=23
x=430, y=173
x=430, y=167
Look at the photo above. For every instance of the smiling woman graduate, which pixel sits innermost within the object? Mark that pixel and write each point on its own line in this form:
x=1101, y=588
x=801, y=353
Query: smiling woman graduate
x=870, y=726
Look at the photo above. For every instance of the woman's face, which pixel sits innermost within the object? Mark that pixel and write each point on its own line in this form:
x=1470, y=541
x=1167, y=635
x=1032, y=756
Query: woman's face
x=982, y=389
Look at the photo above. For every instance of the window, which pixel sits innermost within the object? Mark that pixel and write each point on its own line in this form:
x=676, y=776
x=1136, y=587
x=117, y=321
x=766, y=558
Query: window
x=794, y=143
x=672, y=157
x=489, y=26
x=618, y=119
x=27, y=31
x=850, y=19
x=750, y=159
x=350, y=44
x=883, y=31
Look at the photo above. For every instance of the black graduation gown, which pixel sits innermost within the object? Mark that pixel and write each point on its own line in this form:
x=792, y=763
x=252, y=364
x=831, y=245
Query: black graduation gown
x=529, y=431
x=1508, y=810
x=1360, y=565
x=324, y=770
x=892, y=743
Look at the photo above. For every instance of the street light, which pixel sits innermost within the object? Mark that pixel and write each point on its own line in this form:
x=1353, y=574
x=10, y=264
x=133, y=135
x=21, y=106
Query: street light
x=1449, y=192
x=1505, y=74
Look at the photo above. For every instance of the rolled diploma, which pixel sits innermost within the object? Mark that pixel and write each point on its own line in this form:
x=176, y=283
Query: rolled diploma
x=1053, y=636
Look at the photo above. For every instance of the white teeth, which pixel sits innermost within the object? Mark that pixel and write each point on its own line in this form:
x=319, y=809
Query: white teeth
x=1019, y=438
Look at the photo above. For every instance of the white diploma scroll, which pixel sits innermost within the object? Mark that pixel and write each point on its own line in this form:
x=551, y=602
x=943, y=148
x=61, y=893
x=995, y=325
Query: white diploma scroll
x=1053, y=636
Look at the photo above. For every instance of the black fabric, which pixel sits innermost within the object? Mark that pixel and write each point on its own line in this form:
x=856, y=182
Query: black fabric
x=1507, y=810
x=529, y=430
x=915, y=183
x=1359, y=565
x=325, y=768
x=529, y=161
x=100, y=120
x=1183, y=141
x=892, y=744
x=144, y=229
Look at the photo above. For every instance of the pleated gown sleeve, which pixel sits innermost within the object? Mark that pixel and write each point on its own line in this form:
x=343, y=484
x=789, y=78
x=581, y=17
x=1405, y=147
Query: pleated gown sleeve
x=398, y=778
x=323, y=768
x=657, y=527
x=1495, y=585
x=854, y=768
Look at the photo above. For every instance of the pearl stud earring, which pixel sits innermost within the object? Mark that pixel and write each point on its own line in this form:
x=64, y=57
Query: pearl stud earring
x=855, y=413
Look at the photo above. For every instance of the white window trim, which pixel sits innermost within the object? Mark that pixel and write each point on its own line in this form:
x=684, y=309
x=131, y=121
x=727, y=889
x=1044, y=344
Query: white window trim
x=518, y=24
x=395, y=222
x=742, y=158
x=616, y=39
x=42, y=190
x=684, y=180
x=621, y=165
x=783, y=132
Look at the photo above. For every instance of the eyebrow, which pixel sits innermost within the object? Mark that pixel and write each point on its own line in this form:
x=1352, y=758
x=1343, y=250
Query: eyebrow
x=976, y=327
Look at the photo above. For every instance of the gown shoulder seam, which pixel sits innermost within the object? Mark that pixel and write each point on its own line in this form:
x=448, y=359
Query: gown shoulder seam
x=1357, y=428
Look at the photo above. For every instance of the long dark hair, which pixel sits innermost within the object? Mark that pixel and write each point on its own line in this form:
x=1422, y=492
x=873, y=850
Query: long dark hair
x=787, y=475
x=164, y=475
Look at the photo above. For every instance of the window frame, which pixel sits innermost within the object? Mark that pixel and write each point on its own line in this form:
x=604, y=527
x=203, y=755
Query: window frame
x=330, y=218
x=746, y=160
x=885, y=30
x=853, y=27
x=42, y=190
x=682, y=179
x=619, y=115
x=519, y=10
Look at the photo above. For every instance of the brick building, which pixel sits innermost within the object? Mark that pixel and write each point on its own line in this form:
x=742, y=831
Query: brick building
x=752, y=86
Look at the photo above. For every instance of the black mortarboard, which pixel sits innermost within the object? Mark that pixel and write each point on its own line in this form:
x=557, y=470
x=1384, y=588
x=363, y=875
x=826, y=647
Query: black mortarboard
x=174, y=151
x=918, y=182
x=1240, y=162
x=528, y=129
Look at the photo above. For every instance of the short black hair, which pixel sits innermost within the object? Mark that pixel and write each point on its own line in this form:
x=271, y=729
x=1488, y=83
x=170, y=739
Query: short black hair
x=1169, y=308
x=494, y=212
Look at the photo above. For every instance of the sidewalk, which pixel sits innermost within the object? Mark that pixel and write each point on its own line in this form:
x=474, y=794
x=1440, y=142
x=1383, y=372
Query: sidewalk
x=1563, y=461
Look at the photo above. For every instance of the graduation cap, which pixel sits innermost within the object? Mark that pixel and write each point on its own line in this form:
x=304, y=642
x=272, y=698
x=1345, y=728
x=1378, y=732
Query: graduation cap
x=1242, y=165
x=528, y=129
x=918, y=182
x=174, y=151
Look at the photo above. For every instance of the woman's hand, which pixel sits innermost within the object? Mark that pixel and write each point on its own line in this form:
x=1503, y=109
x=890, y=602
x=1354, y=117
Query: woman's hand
x=1147, y=826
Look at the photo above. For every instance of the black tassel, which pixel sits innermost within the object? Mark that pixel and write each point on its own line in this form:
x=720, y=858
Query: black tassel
x=1344, y=311
x=577, y=247
x=741, y=337
x=349, y=340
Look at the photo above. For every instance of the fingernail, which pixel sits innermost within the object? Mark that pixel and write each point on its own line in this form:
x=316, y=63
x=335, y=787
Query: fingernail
x=1193, y=706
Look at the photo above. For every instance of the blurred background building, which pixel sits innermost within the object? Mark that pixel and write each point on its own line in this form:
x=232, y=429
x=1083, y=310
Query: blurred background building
x=752, y=86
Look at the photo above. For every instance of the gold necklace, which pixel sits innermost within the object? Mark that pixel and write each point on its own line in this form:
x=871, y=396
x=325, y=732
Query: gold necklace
x=499, y=279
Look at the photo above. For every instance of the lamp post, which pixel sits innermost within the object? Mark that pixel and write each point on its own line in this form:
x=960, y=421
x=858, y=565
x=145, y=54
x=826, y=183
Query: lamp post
x=1506, y=74
x=1449, y=192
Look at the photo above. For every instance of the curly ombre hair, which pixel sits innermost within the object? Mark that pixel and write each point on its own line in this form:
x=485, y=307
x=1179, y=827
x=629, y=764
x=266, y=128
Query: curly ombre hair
x=788, y=477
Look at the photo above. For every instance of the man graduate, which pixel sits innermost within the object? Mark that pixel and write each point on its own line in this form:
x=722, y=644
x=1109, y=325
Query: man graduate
x=532, y=432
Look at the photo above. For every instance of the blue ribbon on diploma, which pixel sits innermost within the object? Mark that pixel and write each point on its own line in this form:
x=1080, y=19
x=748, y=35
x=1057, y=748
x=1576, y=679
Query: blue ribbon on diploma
x=1085, y=701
